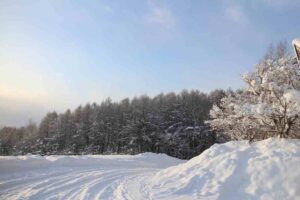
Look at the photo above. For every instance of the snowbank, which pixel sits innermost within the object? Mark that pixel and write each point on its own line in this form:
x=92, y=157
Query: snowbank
x=268, y=169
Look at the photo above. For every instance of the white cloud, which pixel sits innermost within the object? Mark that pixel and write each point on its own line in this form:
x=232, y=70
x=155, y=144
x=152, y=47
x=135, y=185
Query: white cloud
x=236, y=14
x=108, y=9
x=160, y=16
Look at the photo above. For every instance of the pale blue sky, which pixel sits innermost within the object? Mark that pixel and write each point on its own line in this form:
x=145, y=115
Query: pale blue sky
x=59, y=54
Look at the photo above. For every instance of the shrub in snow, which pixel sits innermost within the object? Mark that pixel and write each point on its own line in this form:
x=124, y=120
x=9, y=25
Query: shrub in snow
x=268, y=106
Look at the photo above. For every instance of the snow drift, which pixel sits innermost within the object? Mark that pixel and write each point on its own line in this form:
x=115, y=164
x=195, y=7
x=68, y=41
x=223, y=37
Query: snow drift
x=268, y=169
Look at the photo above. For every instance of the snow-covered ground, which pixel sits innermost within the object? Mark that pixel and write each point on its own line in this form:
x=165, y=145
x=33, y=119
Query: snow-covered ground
x=79, y=177
x=269, y=169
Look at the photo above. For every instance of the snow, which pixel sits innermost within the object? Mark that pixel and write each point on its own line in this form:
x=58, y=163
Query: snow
x=296, y=42
x=292, y=96
x=267, y=169
x=236, y=170
x=78, y=177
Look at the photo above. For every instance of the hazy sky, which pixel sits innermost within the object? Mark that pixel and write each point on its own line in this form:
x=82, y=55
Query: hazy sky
x=59, y=54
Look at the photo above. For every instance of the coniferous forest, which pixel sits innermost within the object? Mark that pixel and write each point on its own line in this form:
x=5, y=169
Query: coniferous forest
x=167, y=123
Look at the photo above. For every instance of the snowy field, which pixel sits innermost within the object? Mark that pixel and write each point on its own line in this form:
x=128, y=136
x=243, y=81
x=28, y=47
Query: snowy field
x=268, y=169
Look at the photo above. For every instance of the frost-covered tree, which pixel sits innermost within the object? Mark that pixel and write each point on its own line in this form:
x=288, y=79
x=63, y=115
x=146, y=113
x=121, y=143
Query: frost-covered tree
x=269, y=105
x=48, y=125
x=167, y=123
x=65, y=130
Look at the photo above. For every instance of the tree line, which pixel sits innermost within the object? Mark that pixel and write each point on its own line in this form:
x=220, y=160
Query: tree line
x=167, y=123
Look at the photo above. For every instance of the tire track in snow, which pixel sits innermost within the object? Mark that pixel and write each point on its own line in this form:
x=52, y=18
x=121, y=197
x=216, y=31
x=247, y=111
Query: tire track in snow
x=76, y=184
x=112, y=177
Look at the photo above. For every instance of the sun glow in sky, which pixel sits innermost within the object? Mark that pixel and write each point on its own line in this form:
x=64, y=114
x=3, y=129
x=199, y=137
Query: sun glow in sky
x=59, y=54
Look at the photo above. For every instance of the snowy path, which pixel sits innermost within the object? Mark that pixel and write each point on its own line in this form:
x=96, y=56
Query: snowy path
x=98, y=177
x=74, y=184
